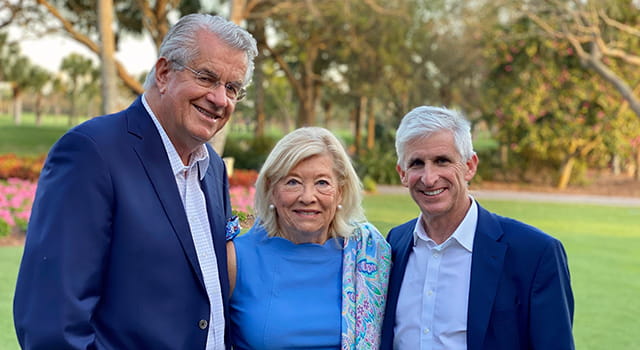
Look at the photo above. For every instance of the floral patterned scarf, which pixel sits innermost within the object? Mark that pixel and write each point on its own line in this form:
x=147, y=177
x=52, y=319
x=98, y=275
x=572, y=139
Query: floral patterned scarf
x=365, y=276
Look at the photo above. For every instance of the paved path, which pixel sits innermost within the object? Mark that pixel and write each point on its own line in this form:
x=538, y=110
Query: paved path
x=535, y=196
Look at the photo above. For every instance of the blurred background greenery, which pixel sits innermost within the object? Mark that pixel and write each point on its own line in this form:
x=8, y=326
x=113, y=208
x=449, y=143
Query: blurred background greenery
x=550, y=86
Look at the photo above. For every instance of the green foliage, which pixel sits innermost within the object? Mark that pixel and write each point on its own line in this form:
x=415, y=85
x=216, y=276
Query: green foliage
x=369, y=184
x=248, y=152
x=547, y=107
x=242, y=216
x=378, y=164
x=5, y=229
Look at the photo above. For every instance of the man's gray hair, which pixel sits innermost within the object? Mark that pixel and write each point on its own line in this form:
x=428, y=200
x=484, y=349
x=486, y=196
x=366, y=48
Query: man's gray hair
x=425, y=120
x=179, y=45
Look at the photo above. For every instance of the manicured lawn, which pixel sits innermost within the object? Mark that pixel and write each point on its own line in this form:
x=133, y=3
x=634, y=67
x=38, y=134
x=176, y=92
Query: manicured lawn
x=27, y=139
x=602, y=244
x=9, y=261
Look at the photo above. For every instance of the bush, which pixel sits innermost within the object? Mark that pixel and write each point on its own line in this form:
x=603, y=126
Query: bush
x=379, y=165
x=248, y=153
x=16, y=199
x=369, y=184
x=5, y=229
x=26, y=168
x=243, y=177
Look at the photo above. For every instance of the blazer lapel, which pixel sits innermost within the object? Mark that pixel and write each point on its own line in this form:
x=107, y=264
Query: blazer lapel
x=152, y=155
x=401, y=240
x=401, y=258
x=486, y=266
x=211, y=185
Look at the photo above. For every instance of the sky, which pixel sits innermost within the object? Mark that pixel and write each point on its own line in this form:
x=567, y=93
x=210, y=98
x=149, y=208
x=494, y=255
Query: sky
x=136, y=54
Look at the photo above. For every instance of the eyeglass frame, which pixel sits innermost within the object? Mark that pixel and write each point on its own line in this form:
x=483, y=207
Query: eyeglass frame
x=212, y=81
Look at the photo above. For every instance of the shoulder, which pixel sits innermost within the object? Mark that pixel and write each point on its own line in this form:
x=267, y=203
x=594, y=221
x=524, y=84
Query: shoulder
x=214, y=158
x=402, y=231
x=367, y=232
x=251, y=237
x=515, y=233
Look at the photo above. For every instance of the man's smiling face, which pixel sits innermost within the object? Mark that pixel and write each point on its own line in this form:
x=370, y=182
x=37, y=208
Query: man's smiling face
x=437, y=176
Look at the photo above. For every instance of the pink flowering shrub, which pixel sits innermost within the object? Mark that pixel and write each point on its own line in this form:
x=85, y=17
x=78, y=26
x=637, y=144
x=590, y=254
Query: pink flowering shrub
x=16, y=198
x=242, y=198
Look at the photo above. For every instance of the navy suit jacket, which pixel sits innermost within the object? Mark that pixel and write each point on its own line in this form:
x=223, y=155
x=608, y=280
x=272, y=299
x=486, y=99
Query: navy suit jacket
x=109, y=262
x=519, y=296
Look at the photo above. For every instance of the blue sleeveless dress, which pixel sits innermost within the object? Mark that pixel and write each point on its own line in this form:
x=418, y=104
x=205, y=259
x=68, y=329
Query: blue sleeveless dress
x=287, y=296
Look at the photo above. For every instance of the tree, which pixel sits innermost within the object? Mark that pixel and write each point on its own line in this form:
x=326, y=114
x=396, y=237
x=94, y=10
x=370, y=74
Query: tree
x=107, y=56
x=18, y=73
x=79, y=20
x=78, y=70
x=8, y=51
x=38, y=79
x=604, y=35
x=551, y=113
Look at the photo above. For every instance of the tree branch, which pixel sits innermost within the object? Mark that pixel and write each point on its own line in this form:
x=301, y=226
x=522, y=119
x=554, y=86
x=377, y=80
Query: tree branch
x=129, y=81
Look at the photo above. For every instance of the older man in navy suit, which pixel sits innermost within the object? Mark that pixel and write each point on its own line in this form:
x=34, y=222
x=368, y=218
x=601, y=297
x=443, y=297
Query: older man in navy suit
x=463, y=277
x=126, y=243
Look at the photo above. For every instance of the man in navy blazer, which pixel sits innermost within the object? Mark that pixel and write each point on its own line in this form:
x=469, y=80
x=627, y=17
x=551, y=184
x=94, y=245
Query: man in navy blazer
x=463, y=277
x=125, y=247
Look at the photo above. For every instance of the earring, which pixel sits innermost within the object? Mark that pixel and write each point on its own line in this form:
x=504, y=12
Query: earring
x=271, y=206
x=339, y=206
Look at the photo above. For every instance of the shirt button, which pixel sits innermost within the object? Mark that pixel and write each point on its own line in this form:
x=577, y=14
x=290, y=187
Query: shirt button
x=435, y=255
x=203, y=324
x=430, y=293
x=426, y=331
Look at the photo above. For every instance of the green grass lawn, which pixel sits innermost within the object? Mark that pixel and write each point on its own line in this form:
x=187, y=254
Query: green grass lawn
x=9, y=261
x=602, y=244
x=27, y=139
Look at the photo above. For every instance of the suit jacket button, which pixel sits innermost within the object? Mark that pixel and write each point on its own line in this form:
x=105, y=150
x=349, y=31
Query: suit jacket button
x=203, y=324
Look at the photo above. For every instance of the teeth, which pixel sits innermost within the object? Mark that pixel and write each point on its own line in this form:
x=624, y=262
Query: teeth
x=433, y=193
x=205, y=113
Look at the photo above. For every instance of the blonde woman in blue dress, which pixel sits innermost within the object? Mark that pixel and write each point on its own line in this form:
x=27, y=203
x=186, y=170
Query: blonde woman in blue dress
x=311, y=272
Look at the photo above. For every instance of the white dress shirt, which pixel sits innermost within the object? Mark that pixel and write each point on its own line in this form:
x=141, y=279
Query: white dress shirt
x=188, y=179
x=433, y=299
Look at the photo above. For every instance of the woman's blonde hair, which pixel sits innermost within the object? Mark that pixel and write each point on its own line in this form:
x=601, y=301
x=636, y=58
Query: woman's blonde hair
x=295, y=147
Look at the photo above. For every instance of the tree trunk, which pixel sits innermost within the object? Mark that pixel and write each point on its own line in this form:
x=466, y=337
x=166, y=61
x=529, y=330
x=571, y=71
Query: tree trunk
x=72, y=109
x=371, y=127
x=107, y=53
x=565, y=173
x=38, y=109
x=237, y=16
x=328, y=114
x=17, y=106
x=615, y=165
x=360, y=111
x=306, y=108
x=637, y=172
x=258, y=78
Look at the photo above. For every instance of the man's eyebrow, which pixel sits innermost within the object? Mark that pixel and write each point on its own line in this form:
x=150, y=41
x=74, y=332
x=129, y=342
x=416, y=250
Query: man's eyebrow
x=413, y=160
x=209, y=72
x=216, y=76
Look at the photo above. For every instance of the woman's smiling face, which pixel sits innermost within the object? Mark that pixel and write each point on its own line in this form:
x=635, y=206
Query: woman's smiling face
x=306, y=200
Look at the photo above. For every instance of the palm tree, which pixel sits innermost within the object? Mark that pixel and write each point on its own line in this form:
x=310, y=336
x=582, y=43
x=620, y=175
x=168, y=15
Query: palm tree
x=18, y=75
x=78, y=69
x=38, y=79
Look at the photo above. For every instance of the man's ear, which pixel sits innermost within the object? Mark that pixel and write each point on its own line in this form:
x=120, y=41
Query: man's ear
x=163, y=68
x=403, y=176
x=472, y=167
